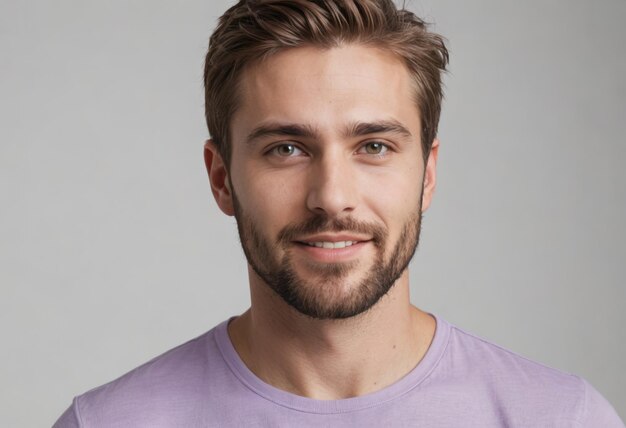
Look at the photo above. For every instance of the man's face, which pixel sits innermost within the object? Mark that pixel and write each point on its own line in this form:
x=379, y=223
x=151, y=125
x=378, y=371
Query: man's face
x=326, y=176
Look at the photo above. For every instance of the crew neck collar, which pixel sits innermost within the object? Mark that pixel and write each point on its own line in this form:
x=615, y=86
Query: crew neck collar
x=286, y=399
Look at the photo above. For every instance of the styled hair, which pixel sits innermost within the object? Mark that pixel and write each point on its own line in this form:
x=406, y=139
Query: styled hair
x=253, y=30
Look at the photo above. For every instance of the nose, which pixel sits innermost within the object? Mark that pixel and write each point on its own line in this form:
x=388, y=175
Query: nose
x=332, y=186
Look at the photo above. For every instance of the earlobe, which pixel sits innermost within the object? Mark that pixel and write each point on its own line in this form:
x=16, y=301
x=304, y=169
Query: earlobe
x=218, y=177
x=430, y=175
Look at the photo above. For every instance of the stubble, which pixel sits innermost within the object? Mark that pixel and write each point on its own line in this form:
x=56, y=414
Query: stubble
x=328, y=293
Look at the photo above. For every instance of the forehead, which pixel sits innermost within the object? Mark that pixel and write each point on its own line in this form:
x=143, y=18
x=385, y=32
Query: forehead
x=326, y=88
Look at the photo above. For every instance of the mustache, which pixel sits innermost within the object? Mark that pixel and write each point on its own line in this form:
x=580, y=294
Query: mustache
x=323, y=223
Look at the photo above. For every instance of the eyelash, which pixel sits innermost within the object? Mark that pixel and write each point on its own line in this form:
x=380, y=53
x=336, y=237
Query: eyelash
x=385, y=148
x=274, y=150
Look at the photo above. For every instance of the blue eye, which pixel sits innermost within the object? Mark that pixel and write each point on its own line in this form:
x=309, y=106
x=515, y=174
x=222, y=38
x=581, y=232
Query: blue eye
x=286, y=150
x=375, y=148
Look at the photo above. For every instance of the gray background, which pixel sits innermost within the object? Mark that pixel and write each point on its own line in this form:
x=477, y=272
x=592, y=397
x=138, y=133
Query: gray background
x=113, y=251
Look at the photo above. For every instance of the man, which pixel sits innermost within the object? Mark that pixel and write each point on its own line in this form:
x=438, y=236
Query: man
x=323, y=116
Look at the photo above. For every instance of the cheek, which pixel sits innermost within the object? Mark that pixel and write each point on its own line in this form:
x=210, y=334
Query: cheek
x=268, y=200
x=395, y=192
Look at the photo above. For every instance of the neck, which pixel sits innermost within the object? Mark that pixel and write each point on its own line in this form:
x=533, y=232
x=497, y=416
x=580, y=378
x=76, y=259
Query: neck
x=331, y=359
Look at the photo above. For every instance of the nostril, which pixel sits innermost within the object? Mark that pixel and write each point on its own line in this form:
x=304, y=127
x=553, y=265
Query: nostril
x=331, y=193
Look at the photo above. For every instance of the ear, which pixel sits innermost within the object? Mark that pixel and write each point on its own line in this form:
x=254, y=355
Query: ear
x=430, y=175
x=218, y=177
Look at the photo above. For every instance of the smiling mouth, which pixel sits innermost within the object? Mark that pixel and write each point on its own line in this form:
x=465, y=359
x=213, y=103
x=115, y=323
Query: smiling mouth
x=329, y=244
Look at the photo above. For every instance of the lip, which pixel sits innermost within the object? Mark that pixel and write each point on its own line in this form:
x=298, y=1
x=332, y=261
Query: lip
x=327, y=237
x=332, y=255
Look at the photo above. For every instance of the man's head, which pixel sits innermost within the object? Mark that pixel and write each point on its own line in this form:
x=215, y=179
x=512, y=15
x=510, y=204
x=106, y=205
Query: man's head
x=321, y=156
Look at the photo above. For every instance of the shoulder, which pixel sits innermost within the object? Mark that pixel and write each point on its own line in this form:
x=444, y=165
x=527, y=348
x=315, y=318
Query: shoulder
x=518, y=385
x=165, y=370
x=169, y=384
x=494, y=362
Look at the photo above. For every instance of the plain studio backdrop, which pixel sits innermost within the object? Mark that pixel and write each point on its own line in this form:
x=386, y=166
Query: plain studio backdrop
x=112, y=249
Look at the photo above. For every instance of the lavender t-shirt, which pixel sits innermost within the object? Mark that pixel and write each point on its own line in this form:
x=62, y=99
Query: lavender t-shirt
x=462, y=381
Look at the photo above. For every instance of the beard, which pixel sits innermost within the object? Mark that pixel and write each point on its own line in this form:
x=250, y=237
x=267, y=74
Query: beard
x=329, y=294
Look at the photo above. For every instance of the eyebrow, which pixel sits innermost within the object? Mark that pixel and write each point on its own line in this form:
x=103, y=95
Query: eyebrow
x=379, y=127
x=282, y=130
x=357, y=129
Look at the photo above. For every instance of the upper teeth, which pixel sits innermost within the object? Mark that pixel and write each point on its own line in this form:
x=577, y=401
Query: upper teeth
x=327, y=244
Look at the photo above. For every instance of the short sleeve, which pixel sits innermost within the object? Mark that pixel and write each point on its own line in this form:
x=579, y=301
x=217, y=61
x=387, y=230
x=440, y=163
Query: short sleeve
x=598, y=412
x=68, y=419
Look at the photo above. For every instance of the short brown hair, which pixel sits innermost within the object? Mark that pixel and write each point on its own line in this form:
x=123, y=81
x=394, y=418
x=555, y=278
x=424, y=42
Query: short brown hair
x=253, y=30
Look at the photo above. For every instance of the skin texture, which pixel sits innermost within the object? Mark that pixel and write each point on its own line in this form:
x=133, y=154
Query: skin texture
x=321, y=175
